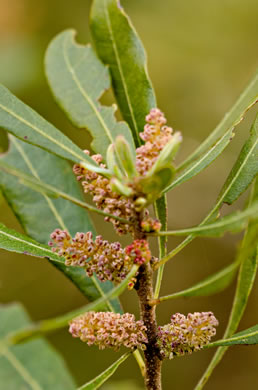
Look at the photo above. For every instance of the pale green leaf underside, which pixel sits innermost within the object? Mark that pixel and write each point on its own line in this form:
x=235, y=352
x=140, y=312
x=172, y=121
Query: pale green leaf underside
x=119, y=46
x=31, y=366
x=246, y=100
x=23, y=122
x=78, y=79
x=39, y=214
x=105, y=375
x=246, y=337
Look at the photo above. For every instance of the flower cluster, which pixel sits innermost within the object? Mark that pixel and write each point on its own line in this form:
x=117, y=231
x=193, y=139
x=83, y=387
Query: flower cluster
x=108, y=260
x=109, y=330
x=150, y=225
x=186, y=334
x=105, y=199
x=156, y=135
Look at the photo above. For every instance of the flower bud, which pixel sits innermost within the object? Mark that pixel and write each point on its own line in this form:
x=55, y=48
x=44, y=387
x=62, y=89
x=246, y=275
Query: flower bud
x=125, y=156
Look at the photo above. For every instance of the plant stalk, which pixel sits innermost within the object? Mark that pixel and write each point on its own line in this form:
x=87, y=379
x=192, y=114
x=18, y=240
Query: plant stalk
x=153, y=361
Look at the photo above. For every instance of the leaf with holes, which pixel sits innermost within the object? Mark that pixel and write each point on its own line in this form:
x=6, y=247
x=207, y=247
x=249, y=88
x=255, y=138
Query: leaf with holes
x=78, y=79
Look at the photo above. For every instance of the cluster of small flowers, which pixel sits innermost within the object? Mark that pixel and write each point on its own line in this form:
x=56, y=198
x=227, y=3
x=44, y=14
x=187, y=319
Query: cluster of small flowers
x=109, y=330
x=105, y=199
x=139, y=251
x=186, y=334
x=156, y=135
x=108, y=260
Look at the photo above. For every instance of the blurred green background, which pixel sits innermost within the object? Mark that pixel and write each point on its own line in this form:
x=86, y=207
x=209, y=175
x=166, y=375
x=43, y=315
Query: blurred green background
x=201, y=54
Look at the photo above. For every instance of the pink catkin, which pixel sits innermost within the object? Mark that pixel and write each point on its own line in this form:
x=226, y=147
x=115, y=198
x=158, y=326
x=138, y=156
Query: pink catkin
x=109, y=330
x=186, y=334
x=155, y=135
x=109, y=261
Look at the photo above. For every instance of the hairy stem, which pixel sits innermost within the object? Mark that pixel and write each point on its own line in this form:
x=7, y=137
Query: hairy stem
x=144, y=289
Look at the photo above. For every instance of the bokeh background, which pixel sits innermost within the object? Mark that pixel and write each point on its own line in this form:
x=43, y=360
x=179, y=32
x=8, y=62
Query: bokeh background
x=201, y=54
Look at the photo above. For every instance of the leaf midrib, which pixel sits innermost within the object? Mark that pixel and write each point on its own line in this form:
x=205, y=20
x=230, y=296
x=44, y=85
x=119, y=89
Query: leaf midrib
x=120, y=69
x=20, y=369
x=83, y=92
x=45, y=135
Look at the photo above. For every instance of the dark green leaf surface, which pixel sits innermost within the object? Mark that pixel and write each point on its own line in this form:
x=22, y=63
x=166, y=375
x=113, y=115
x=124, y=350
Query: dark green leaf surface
x=246, y=100
x=78, y=79
x=13, y=241
x=119, y=47
x=246, y=337
x=248, y=162
x=105, y=375
x=23, y=122
x=32, y=366
x=248, y=257
x=209, y=286
x=39, y=214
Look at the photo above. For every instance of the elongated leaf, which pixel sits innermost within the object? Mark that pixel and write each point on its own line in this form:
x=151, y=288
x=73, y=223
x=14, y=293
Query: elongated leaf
x=233, y=222
x=197, y=166
x=23, y=122
x=62, y=321
x=105, y=375
x=119, y=47
x=248, y=161
x=209, y=286
x=13, y=241
x=246, y=100
x=161, y=213
x=50, y=191
x=39, y=214
x=233, y=181
x=246, y=337
x=35, y=365
x=78, y=79
x=248, y=257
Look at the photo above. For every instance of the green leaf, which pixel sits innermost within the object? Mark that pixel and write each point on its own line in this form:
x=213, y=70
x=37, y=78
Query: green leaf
x=246, y=337
x=248, y=257
x=161, y=213
x=248, y=162
x=209, y=286
x=39, y=214
x=13, y=241
x=197, y=166
x=51, y=191
x=246, y=100
x=105, y=375
x=53, y=324
x=78, y=79
x=23, y=122
x=35, y=365
x=233, y=222
x=119, y=46
x=236, y=180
